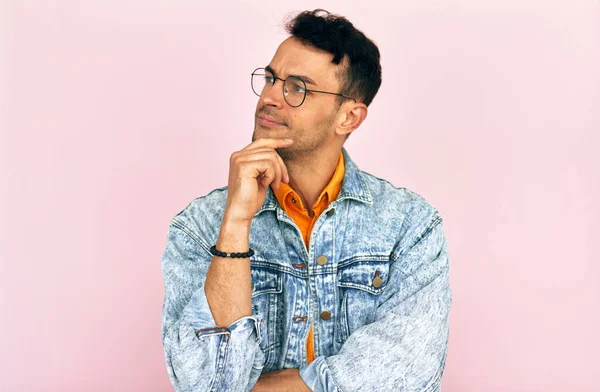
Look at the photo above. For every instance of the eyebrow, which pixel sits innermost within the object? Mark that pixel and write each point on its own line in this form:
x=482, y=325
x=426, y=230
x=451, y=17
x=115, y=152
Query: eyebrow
x=305, y=79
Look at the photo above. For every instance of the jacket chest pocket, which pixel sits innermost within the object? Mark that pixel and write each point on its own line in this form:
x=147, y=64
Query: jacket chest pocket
x=266, y=292
x=360, y=285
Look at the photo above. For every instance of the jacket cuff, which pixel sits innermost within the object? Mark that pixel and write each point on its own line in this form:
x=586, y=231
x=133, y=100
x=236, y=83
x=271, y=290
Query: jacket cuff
x=318, y=376
x=197, y=314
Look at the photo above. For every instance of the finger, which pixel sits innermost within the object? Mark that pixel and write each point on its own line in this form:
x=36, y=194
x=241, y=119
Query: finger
x=269, y=142
x=256, y=152
x=266, y=171
x=246, y=157
x=277, y=169
x=285, y=177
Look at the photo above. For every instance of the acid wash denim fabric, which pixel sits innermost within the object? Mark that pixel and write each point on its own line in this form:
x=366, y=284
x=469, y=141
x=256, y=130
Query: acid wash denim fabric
x=390, y=335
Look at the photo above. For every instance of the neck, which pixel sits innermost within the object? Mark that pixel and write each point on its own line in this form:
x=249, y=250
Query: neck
x=310, y=175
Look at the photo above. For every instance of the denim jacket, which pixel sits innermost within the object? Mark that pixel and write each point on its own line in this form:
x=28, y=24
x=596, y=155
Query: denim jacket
x=375, y=280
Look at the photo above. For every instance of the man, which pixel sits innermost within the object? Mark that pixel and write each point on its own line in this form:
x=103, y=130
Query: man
x=306, y=273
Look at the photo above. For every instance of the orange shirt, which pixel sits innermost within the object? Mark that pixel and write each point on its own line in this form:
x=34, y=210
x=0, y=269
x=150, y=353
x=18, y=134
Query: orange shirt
x=292, y=204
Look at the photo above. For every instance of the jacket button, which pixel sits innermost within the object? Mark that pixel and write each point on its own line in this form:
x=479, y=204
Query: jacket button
x=321, y=260
x=377, y=281
x=330, y=212
x=325, y=315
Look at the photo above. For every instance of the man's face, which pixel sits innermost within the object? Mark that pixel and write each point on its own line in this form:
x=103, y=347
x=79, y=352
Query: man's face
x=312, y=124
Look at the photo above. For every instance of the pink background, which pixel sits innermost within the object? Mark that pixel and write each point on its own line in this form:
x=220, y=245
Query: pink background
x=114, y=115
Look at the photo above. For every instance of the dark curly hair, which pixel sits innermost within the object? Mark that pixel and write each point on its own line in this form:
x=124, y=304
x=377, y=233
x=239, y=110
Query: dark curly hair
x=336, y=35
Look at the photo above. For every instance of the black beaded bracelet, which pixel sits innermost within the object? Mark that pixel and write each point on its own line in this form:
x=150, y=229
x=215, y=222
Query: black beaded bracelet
x=215, y=252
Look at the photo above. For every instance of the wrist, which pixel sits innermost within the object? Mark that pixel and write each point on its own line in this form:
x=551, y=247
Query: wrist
x=234, y=223
x=233, y=236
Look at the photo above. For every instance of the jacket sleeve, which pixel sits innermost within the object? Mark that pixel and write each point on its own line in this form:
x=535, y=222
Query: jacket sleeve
x=199, y=355
x=404, y=349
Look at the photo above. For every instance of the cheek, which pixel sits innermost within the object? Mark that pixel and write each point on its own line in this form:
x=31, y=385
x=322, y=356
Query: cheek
x=294, y=121
x=320, y=118
x=308, y=118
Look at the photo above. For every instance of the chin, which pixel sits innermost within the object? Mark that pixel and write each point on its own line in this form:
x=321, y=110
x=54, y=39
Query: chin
x=278, y=132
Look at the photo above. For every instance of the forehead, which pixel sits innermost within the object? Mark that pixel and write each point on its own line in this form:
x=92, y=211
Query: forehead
x=295, y=58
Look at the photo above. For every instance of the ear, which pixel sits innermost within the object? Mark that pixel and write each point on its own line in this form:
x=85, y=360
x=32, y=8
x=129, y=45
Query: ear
x=351, y=118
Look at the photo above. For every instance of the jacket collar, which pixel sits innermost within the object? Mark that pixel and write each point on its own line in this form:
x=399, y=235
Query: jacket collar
x=353, y=187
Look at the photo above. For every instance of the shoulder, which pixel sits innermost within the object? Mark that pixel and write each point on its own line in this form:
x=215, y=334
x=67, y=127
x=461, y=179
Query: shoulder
x=397, y=199
x=203, y=215
x=401, y=208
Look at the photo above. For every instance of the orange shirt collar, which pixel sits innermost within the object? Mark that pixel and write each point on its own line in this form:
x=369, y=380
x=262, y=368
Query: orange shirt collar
x=328, y=194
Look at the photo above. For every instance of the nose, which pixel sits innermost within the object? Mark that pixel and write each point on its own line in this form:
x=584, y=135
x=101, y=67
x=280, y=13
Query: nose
x=272, y=95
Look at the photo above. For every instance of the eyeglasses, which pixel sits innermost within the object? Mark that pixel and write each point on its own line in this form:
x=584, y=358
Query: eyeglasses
x=294, y=88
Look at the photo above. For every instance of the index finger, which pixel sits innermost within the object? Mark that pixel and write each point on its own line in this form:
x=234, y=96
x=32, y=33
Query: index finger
x=269, y=142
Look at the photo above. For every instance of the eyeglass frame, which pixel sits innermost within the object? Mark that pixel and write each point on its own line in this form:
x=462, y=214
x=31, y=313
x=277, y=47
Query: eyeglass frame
x=275, y=78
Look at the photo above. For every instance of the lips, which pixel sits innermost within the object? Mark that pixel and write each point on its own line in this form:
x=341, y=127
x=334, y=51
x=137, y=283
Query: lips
x=269, y=121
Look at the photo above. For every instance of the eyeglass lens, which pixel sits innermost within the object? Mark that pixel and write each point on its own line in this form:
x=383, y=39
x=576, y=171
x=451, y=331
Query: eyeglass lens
x=294, y=89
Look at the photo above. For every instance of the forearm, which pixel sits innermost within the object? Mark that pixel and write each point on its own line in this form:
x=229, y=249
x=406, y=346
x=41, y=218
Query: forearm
x=213, y=359
x=284, y=380
x=201, y=356
x=228, y=285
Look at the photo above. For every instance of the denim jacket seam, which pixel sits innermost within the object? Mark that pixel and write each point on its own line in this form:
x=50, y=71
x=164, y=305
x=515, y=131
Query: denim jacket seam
x=367, y=198
x=435, y=383
x=365, y=257
x=220, y=363
x=436, y=221
x=186, y=230
x=395, y=254
x=277, y=267
x=211, y=332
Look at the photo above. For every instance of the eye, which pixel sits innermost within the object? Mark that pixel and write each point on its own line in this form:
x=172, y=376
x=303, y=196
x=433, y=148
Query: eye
x=269, y=79
x=297, y=87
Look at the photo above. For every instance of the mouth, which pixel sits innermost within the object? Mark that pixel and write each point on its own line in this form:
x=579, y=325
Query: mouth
x=268, y=122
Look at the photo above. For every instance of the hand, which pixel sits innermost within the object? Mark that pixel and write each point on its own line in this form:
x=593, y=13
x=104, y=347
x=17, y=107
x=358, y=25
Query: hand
x=284, y=380
x=251, y=171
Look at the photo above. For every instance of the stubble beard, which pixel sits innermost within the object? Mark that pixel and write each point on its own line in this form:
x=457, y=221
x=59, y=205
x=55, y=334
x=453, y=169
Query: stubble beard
x=306, y=144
